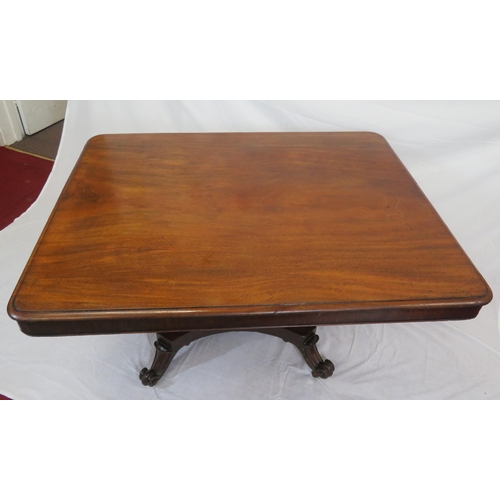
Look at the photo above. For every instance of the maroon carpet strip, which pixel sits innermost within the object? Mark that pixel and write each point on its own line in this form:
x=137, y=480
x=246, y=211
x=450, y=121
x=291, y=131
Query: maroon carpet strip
x=22, y=177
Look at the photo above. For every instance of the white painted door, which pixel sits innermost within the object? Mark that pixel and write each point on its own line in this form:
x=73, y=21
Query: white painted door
x=37, y=115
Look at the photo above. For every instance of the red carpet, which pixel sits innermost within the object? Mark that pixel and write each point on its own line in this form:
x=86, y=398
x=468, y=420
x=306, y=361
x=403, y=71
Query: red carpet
x=22, y=177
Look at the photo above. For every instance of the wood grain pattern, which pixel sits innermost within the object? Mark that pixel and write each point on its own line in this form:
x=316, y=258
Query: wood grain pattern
x=158, y=232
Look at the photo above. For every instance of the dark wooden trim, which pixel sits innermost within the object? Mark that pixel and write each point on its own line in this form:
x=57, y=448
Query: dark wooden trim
x=49, y=328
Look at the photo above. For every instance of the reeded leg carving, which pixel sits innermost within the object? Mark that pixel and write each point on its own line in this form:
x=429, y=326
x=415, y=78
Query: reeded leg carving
x=320, y=368
x=167, y=346
x=163, y=357
x=305, y=339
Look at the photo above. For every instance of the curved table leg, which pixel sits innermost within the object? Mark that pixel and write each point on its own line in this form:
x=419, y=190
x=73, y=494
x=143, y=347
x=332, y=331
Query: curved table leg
x=320, y=368
x=305, y=339
x=168, y=343
x=167, y=346
x=163, y=357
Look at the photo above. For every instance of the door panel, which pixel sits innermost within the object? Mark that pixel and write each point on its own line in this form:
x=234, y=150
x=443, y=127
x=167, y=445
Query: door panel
x=37, y=115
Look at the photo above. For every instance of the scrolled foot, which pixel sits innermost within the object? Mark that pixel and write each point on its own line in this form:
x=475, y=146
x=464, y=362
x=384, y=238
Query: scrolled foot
x=149, y=377
x=324, y=369
x=164, y=352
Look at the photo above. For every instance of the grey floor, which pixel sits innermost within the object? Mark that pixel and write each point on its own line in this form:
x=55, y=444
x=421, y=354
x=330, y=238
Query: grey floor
x=44, y=143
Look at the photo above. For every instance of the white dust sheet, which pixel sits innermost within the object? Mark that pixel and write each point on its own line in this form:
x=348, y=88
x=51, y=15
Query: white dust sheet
x=452, y=149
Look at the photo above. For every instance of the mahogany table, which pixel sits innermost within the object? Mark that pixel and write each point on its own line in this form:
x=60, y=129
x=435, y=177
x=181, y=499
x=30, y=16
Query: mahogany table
x=187, y=235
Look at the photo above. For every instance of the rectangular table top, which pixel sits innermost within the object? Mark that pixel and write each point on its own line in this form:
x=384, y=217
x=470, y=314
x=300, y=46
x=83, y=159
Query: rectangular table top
x=233, y=230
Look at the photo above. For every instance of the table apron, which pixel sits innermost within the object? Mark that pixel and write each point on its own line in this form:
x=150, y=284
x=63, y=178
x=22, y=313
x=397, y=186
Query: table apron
x=131, y=324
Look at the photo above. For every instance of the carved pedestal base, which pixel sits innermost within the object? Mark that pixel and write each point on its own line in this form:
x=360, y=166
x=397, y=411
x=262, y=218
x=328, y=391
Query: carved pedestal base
x=168, y=343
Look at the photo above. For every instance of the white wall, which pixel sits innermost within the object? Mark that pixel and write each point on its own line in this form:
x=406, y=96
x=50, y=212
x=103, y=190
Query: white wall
x=11, y=129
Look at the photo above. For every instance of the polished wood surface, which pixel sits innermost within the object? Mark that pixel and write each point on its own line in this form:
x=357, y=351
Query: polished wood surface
x=158, y=232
